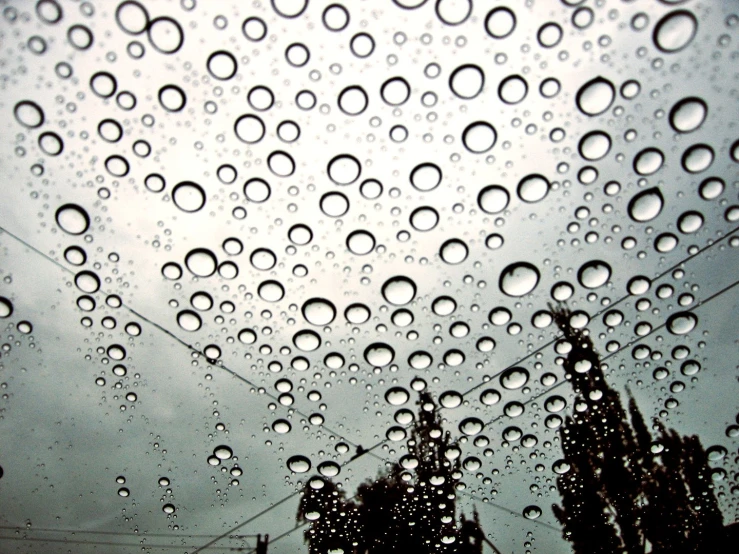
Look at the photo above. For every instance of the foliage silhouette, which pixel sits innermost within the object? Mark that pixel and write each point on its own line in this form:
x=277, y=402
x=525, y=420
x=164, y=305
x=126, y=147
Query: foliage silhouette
x=625, y=490
x=409, y=509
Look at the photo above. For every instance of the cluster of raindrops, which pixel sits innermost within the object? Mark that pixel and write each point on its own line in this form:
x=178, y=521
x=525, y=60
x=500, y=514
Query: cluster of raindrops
x=336, y=200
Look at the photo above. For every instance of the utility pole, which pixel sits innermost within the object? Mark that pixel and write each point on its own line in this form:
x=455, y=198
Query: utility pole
x=262, y=544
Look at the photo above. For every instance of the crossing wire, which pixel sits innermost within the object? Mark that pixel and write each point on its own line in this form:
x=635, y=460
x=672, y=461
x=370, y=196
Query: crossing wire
x=235, y=374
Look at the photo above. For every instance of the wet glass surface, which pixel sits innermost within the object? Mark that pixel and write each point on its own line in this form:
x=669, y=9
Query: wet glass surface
x=239, y=239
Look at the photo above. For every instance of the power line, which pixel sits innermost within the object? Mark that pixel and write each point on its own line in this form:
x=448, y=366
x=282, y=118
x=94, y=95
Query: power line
x=114, y=533
x=170, y=334
x=610, y=306
x=238, y=376
x=624, y=347
x=118, y=544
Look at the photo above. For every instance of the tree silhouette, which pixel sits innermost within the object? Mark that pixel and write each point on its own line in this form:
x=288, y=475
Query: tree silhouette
x=409, y=509
x=624, y=489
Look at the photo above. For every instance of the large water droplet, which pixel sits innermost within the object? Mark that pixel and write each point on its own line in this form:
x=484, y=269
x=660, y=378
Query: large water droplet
x=675, y=31
x=379, y=354
x=424, y=218
x=188, y=196
x=450, y=399
x=682, y=323
x=688, y=114
x=397, y=396
x=594, y=274
x=426, y=177
x=344, y=169
x=201, y=262
x=453, y=251
x=467, y=81
x=648, y=161
x=72, y=219
x=595, y=96
x=646, y=205
x=519, y=279
x=399, y=290
x=360, y=242
x=533, y=188
x=514, y=378
x=493, y=199
x=319, y=311
x=471, y=426
x=298, y=464
x=223, y=452
x=479, y=137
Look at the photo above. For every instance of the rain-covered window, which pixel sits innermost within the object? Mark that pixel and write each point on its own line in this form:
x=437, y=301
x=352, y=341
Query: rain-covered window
x=368, y=276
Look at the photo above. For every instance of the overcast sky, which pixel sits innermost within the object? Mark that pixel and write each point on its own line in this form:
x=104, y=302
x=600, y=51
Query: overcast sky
x=245, y=180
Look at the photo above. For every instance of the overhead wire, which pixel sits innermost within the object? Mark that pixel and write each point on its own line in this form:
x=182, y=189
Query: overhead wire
x=369, y=450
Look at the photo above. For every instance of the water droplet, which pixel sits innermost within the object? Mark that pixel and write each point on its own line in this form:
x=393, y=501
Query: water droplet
x=188, y=196
x=87, y=281
x=189, y=320
x=531, y=512
x=124, y=492
x=298, y=464
x=281, y=426
x=379, y=354
x=500, y=22
x=6, y=307
x=426, y=177
x=29, y=114
x=424, y=218
x=493, y=199
x=307, y=340
x=257, y=190
x=249, y=128
x=344, y=169
x=533, y=188
x=690, y=222
x=479, y=137
x=453, y=251
x=648, y=161
x=319, y=311
x=72, y=219
x=594, y=274
x=395, y=91
x=697, y=158
x=467, y=81
x=595, y=96
x=168, y=509
x=519, y=279
x=222, y=65
x=399, y=290
x=688, y=114
x=201, y=262
x=513, y=89
x=329, y=469
x=471, y=426
x=420, y=360
x=514, y=378
x=646, y=205
x=595, y=145
x=682, y=323
x=271, y=291
x=357, y=314
x=675, y=31
x=397, y=396
x=360, y=243
x=450, y=399
x=334, y=204
x=223, y=452
x=353, y=100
